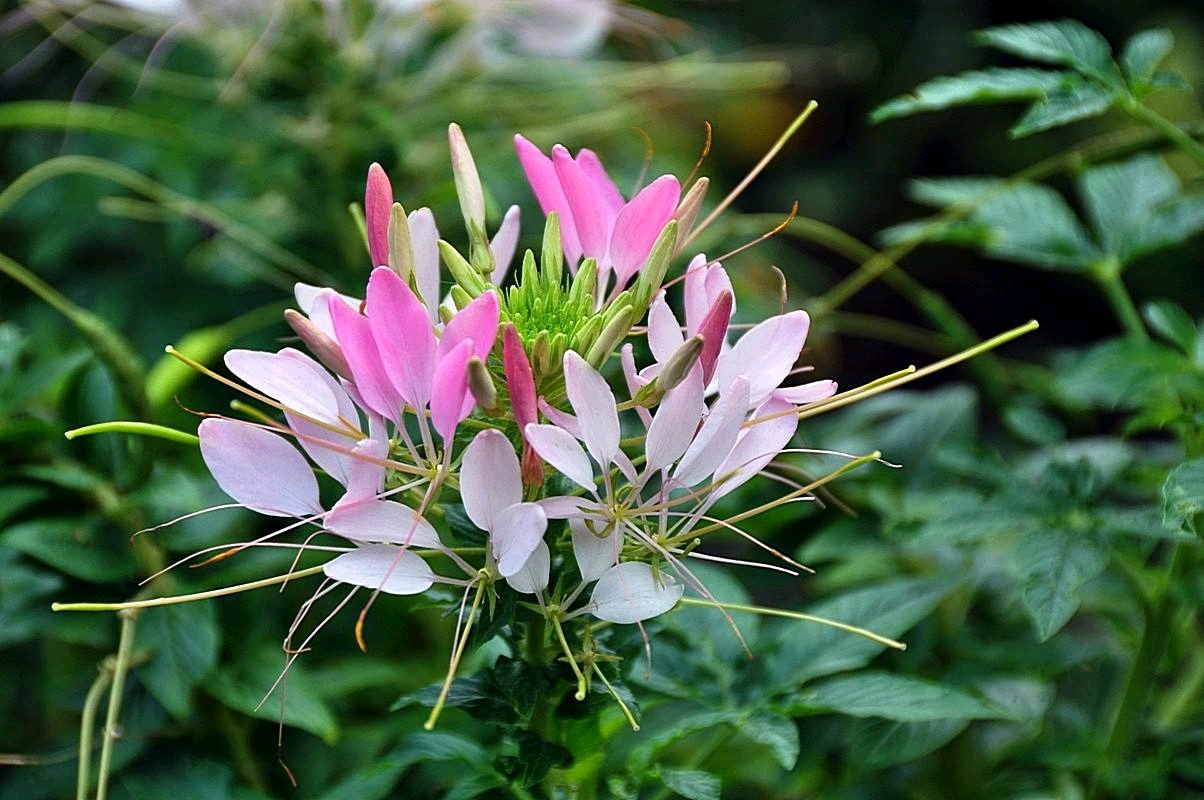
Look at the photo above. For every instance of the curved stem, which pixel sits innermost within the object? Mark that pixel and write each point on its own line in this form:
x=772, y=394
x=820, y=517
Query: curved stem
x=121, y=665
x=87, y=728
x=1170, y=130
x=1122, y=304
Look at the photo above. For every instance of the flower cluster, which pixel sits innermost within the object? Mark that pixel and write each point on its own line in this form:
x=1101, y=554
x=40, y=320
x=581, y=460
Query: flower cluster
x=476, y=432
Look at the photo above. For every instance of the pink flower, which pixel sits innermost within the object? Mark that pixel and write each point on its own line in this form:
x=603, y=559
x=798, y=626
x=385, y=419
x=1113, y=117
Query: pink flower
x=595, y=221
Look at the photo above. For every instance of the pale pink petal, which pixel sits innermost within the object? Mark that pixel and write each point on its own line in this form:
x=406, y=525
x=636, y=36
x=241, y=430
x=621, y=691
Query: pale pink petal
x=565, y=506
x=533, y=576
x=490, y=479
x=259, y=469
x=717, y=436
x=381, y=521
x=381, y=566
x=759, y=444
x=364, y=470
x=634, y=380
x=359, y=350
x=676, y=422
x=560, y=449
x=520, y=381
x=631, y=592
x=766, y=354
x=608, y=193
x=503, y=244
x=594, y=403
x=378, y=205
x=312, y=436
x=289, y=377
x=519, y=531
x=562, y=419
x=477, y=321
x=713, y=330
x=591, y=218
x=546, y=186
x=638, y=225
x=314, y=301
x=594, y=554
x=704, y=283
x=424, y=238
x=402, y=330
x=450, y=399
x=664, y=331
x=807, y=392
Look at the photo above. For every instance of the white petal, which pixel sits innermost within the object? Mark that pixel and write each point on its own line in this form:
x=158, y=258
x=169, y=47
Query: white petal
x=290, y=377
x=631, y=592
x=424, y=237
x=759, y=444
x=364, y=474
x=533, y=576
x=518, y=533
x=765, y=354
x=503, y=245
x=717, y=436
x=807, y=392
x=381, y=566
x=560, y=449
x=594, y=403
x=664, y=331
x=594, y=554
x=259, y=469
x=565, y=506
x=676, y=421
x=490, y=478
x=312, y=300
x=382, y=521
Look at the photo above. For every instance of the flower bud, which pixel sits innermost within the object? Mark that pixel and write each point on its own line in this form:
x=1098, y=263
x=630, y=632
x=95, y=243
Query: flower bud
x=324, y=348
x=401, y=244
x=480, y=384
x=687, y=211
x=680, y=363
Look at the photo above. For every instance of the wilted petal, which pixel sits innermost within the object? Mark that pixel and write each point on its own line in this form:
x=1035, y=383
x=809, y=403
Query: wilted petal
x=450, y=399
x=259, y=469
x=517, y=533
x=594, y=404
x=807, y=392
x=561, y=450
x=546, y=186
x=533, y=576
x=631, y=592
x=638, y=225
x=594, y=554
x=490, y=479
x=758, y=445
x=717, y=436
x=382, y=521
x=401, y=327
x=378, y=204
x=766, y=354
x=676, y=422
x=381, y=566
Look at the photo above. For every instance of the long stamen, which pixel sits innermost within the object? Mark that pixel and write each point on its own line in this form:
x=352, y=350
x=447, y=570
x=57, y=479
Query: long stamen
x=457, y=654
x=568, y=654
x=779, y=612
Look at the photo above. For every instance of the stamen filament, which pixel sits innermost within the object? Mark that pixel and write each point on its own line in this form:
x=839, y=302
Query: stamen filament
x=187, y=598
x=455, y=663
x=781, y=612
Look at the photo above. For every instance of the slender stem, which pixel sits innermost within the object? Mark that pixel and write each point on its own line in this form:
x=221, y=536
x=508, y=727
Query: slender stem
x=139, y=428
x=87, y=727
x=455, y=662
x=1170, y=130
x=121, y=665
x=1122, y=304
x=187, y=598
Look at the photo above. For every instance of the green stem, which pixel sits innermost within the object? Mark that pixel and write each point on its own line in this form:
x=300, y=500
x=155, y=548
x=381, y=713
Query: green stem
x=121, y=664
x=1181, y=138
x=87, y=727
x=1122, y=304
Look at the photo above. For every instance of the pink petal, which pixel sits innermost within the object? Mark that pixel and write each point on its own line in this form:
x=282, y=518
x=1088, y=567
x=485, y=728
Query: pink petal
x=381, y=566
x=533, y=576
x=717, y=436
x=594, y=404
x=594, y=554
x=378, y=204
x=289, y=377
x=766, y=354
x=713, y=330
x=259, y=469
x=519, y=532
x=639, y=223
x=608, y=193
x=450, y=399
x=359, y=350
x=631, y=592
x=424, y=238
x=401, y=327
x=314, y=301
x=704, y=283
x=560, y=449
x=520, y=381
x=676, y=422
x=561, y=419
x=490, y=479
x=364, y=474
x=503, y=244
x=634, y=380
x=312, y=436
x=546, y=186
x=591, y=218
x=477, y=321
x=664, y=331
x=807, y=392
x=759, y=444
x=382, y=521
x=565, y=506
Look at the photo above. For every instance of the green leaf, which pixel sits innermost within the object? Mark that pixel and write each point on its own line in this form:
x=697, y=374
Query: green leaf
x=16, y=498
x=1142, y=54
x=778, y=733
x=378, y=780
x=897, y=697
x=980, y=86
x=1122, y=373
x=244, y=685
x=79, y=547
x=1122, y=198
x=1173, y=223
x=1066, y=42
x=205, y=780
x=944, y=192
x=184, y=641
x=1183, y=497
x=691, y=784
x=536, y=758
x=1055, y=564
x=1170, y=321
x=24, y=611
x=1070, y=104
x=809, y=651
x=1032, y=224
x=710, y=636
x=876, y=743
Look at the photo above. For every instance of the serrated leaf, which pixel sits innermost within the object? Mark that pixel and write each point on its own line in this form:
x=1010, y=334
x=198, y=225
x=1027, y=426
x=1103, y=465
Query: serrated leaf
x=875, y=743
x=1183, y=497
x=1033, y=225
x=1065, y=41
x=897, y=697
x=183, y=641
x=807, y=651
x=244, y=685
x=778, y=733
x=1142, y=54
x=1071, y=104
x=957, y=190
x=978, y=86
x=1119, y=199
x=1170, y=321
x=1054, y=565
x=1171, y=224
x=692, y=784
x=536, y=758
x=77, y=547
x=1122, y=373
